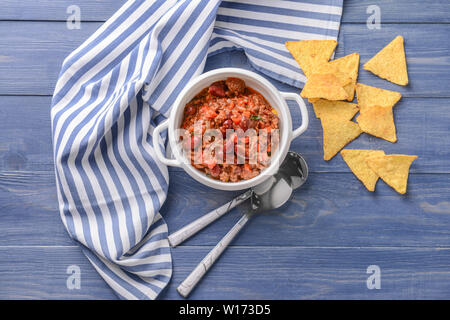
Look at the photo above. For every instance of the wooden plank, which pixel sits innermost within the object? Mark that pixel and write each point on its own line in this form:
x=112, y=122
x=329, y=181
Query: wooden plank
x=331, y=209
x=419, y=122
x=36, y=50
x=25, y=137
x=288, y=273
x=316, y=273
x=100, y=10
x=423, y=54
x=319, y=245
x=41, y=273
x=29, y=208
x=48, y=10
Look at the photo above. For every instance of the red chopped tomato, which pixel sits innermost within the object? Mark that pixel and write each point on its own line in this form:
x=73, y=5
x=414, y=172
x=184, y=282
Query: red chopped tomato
x=241, y=102
x=211, y=114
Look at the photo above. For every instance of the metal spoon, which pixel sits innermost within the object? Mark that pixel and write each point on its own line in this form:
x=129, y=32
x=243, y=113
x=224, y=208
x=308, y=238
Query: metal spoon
x=271, y=194
x=292, y=159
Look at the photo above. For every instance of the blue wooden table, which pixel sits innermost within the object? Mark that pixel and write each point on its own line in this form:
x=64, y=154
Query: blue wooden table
x=320, y=246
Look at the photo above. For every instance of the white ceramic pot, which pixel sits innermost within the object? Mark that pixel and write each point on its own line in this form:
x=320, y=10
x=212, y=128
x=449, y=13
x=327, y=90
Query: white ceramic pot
x=276, y=99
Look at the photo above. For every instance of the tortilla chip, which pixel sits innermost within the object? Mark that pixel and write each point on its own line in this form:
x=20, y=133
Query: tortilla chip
x=337, y=134
x=328, y=68
x=349, y=65
x=356, y=161
x=308, y=53
x=350, y=89
x=326, y=86
x=390, y=63
x=378, y=121
x=339, y=109
x=393, y=169
x=370, y=96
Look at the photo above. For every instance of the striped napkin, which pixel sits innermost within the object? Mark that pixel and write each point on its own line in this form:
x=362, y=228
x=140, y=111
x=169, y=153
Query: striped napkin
x=119, y=84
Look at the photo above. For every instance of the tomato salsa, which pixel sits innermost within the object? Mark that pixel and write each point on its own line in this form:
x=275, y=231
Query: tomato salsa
x=230, y=107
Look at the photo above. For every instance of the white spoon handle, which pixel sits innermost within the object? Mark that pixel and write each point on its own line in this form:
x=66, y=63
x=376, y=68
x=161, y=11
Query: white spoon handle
x=197, y=274
x=195, y=226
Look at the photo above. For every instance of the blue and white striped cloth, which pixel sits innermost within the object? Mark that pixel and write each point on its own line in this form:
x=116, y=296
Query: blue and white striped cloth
x=114, y=89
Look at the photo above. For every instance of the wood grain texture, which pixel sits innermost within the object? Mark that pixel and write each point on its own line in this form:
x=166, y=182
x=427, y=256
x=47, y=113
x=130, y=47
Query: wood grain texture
x=331, y=209
x=29, y=209
x=25, y=133
x=35, y=50
x=25, y=136
x=435, y=11
x=244, y=273
x=355, y=11
x=48, y=10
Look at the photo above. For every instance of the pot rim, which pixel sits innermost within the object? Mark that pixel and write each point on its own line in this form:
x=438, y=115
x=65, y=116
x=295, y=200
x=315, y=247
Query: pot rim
x=277, y=100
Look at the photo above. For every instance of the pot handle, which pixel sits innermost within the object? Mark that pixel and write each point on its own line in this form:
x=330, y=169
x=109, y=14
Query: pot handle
x=303, y=111
x=157, y=147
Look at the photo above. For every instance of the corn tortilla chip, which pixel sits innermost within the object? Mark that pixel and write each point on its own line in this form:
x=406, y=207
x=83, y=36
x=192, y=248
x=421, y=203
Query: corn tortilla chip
x=338, y=109
x=348, y=65
x=308, y=53
x=337, y=134
x=356, y=161
x=390, y=63
x=326, y=86
x=350, y=89
x=370, y=96
x=378, y=121
x=328, y=68
x=393, y=169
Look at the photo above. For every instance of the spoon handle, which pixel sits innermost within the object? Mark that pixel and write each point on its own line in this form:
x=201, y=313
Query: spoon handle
x=195, y=226
x=197, y=274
